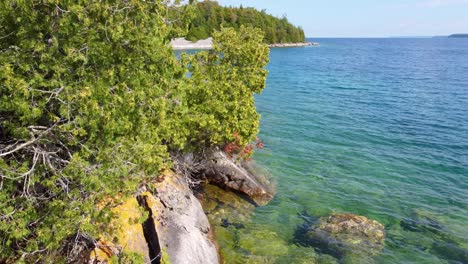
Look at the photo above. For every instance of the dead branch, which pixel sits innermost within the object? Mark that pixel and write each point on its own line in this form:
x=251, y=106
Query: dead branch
x=28, y=143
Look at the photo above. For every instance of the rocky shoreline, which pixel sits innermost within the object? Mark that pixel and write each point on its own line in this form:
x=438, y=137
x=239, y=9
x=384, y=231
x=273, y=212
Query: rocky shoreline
x=175, y=227
x=206, y=44
x=172, y=221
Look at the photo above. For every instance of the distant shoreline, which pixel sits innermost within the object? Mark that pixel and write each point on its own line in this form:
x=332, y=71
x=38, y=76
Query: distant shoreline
x=206, y=44
x=290, y=45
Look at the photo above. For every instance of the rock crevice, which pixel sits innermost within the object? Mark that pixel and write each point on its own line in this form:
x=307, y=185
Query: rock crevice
x=150, y=234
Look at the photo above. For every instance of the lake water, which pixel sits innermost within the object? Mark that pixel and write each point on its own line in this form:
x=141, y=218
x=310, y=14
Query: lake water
x=374, y=127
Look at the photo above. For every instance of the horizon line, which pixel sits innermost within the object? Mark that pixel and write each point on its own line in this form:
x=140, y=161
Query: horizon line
x=381, y=37
x=395, y=36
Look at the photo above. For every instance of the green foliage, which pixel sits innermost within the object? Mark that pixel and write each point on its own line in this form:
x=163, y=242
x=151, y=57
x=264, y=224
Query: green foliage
x=128, y=258
x=209, y=17
x=221, y=86
x=92, y=103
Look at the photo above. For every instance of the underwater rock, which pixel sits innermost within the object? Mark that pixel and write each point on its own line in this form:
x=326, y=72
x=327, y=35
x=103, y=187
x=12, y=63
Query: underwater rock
x=418, y=225
x=422, y=221
x=235, y=175
x=263, y=243
x=221, y=206
x=343, y=235
x=301, y=255
x=440, y=241
x=450, y=251
x=226, y=223
x=229, y=213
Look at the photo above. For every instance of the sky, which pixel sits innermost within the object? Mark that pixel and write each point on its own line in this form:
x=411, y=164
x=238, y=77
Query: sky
x=368, y=18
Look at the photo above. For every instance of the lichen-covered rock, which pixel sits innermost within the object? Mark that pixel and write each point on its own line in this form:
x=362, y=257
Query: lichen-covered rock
x=164, y=225
x=343, y=235
x=127, y=236
x=103, y=253
x=235, y=175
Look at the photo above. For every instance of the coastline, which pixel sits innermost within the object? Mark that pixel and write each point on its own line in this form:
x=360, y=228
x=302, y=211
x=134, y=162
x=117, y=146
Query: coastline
x=183, y=44
x=207, y=44
x=293, y=45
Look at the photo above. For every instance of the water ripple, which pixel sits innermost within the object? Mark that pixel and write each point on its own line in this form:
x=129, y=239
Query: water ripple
x=373, y=127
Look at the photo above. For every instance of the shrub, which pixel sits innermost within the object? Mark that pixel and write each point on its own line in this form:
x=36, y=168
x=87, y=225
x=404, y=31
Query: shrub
x=92, y=102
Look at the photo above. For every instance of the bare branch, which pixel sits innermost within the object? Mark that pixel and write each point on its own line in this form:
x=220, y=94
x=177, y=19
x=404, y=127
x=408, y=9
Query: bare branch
x=62, y=10
x=7, y=35
x=2, y=217
x=35, y=159
x=105, y=31
x=30, y=142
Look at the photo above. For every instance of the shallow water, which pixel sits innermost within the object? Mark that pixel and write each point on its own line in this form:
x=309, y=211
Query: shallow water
x=375, y=127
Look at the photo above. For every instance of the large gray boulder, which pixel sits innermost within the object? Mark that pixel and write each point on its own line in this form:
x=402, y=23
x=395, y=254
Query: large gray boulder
x=229, y=173
x=178, y=226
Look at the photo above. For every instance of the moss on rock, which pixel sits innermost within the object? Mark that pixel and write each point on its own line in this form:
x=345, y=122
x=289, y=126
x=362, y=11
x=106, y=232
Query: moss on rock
x=346, y=236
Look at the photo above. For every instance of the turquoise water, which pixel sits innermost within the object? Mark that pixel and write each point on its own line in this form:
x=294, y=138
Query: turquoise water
x=375, y=127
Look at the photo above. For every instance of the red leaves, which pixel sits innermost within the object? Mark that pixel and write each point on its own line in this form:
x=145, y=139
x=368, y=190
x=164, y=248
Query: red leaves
x=231, y=148
x=246, y=152
x=259, y=144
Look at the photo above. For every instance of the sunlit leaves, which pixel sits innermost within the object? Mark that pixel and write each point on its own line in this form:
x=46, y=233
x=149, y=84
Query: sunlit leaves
x=222, y=84
x=99, y=95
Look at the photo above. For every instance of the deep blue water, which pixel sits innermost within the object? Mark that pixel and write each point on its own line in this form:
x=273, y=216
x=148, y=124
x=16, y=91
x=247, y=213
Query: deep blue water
x=375, y=127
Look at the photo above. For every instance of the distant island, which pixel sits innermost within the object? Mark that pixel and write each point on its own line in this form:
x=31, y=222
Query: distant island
x=209, y=16
x=458, y=36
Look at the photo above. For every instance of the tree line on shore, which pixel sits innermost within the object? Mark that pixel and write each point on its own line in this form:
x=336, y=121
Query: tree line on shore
x=209, y=16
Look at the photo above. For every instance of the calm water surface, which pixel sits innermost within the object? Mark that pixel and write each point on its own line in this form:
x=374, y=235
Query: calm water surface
x=375, y=127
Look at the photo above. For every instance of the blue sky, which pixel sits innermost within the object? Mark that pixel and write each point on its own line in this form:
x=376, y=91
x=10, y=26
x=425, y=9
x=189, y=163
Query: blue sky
x=368, y=18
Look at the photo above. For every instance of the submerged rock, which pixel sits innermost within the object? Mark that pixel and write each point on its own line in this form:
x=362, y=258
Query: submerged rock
x=224, y=207
x=226, y=223
x=345, y=235
x=422, y=221
x=450, y=251
x=229, y=213
x=436, y=238
x=235, y=175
